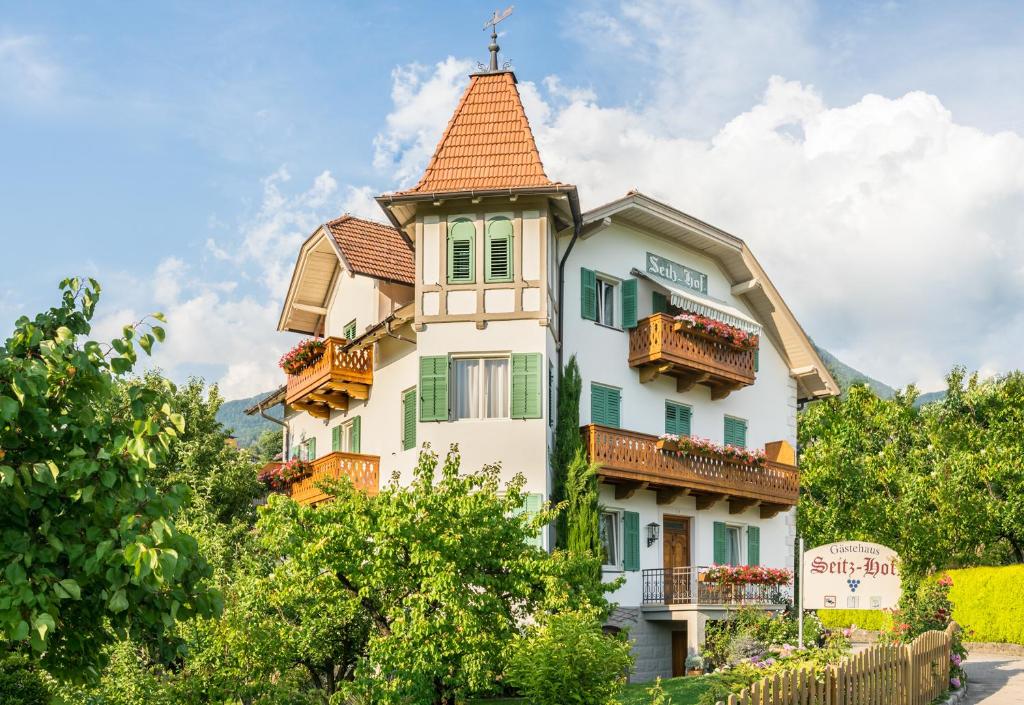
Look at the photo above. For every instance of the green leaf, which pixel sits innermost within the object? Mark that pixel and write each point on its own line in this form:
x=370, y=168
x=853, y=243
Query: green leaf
x=159, y=316
x=42, y=625
x=20, y=631
x=68, y=589
x=159, y=333
x=8, y=408
x=179, y=422
x=119, y=602
x=146, y=343
x=121, y=365
x=7, y=475
x=128, y=332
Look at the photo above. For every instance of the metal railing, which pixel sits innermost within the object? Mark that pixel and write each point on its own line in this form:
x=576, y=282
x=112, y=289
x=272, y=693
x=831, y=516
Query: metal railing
x=687, y=586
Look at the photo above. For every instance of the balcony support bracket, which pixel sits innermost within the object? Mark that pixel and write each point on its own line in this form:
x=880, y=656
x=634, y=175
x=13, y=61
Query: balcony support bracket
x=317, y=411
x=686, y=382
x=668, y=496
x=706, y=501
x=769, y=511
x=627, y=490
x=723, y=390
x=648, y=373
x=738, y=506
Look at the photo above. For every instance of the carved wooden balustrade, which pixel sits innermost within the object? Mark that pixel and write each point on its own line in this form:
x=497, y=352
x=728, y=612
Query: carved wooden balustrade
x=633, y=461
x=661, y=345
x=363, y=470
x=329, y=382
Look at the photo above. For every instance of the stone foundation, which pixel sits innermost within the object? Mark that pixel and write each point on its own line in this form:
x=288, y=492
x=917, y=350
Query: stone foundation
x=651, y=642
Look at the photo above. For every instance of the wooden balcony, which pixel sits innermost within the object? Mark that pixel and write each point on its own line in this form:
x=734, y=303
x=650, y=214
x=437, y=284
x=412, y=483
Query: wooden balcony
x=332, y=380
x=685, y=585
x=632, y=461
x=660, y=345
x=363, y=470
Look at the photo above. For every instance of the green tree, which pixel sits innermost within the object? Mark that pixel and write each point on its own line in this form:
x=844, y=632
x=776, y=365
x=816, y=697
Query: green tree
x=976, y=440
x=268, y=446
x=582, y=511
x=443, y=569
x=568, y=441
x=90, y=546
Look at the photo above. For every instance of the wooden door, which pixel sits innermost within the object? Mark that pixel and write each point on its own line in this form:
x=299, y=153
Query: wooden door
x=676, y=559
x=679, y=651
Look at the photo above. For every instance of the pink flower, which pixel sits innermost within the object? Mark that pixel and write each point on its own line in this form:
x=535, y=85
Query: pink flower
x=955, y=682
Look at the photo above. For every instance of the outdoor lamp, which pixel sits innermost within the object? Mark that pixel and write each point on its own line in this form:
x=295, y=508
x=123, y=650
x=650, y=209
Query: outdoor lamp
x=652, y=533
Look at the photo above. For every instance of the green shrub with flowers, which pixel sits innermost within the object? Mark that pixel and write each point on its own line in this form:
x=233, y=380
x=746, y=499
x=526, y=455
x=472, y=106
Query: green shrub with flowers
x=691, y=445
x=736, y=337
x=753, y=644
x=306, y=353
x=922, y=609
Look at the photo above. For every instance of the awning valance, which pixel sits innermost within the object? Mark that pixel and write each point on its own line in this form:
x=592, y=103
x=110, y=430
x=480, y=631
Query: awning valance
x=705, y=306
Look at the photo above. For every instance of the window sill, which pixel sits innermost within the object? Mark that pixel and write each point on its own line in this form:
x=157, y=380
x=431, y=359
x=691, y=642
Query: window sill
x=612, y=569
x=608, y=327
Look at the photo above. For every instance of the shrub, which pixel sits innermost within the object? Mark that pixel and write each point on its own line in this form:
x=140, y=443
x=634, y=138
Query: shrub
x=568, y=659
x=863, y=619
x=989, y=603
x=20, y=683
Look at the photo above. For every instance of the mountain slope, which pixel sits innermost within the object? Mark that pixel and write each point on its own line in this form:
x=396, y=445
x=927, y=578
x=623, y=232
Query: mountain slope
x=245, y=428
x=847, y=376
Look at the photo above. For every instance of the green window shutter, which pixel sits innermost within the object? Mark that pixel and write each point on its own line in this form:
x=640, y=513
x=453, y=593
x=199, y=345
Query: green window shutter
x=588, y=294
x=757, y=359
x=659, y=302
x=312, y=448
x=295, y=452
x=630, y=541
x=357, y=427
x=498, y=253
x=604, y=405
x=336, y=439
x=753, y=545
x=409, y=419
x=461, y=252
x=628, y=288
x=531, y=507
x=735, y=432
x=433, y=388
x=677, y=418
x=721, y=544
x=349, y=331
x=526, y=392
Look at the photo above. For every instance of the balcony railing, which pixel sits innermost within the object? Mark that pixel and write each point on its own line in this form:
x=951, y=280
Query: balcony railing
x=686, y=586
x=332, y=380
x=363, y=470
x=661, y=345
x=633, y=460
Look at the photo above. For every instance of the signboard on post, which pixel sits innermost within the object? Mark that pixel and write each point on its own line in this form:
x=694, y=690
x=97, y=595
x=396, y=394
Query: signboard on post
x=850, y=575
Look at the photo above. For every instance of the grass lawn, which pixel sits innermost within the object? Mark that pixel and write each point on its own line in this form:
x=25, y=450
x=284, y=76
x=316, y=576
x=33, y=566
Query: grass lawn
x=683, y=691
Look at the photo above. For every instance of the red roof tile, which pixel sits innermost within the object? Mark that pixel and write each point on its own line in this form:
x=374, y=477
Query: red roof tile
x=374, y=249
x=488, y=143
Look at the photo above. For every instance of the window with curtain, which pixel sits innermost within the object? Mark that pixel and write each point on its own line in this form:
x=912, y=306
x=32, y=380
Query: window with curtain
x=733, y=533
x=608, y=530
x=480, y=388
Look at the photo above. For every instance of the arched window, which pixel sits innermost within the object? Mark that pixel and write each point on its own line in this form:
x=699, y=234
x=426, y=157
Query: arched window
x=498, y=251
x=461, y=251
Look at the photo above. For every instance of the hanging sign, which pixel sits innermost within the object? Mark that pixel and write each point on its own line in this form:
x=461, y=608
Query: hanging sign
x=851, y=575
x=677, y=273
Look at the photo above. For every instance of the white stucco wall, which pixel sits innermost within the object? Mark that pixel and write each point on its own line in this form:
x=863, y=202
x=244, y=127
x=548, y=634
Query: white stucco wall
x=769, y=405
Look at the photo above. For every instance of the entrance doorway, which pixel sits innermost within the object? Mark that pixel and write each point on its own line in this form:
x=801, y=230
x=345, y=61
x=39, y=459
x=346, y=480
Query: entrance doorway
x=676, y=560
x=679, y=651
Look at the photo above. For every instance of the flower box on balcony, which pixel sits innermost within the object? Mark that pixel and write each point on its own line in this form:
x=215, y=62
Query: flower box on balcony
x=716, y=331
x=668, y=444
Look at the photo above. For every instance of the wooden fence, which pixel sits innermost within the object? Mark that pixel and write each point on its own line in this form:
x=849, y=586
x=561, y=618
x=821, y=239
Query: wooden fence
x=912, y=674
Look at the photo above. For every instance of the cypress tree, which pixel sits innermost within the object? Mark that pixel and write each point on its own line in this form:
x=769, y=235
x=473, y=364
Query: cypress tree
x=567, y=440
x=582, y=509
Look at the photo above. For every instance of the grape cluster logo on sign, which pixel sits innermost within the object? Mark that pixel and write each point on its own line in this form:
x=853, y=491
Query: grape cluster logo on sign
x=854, y=575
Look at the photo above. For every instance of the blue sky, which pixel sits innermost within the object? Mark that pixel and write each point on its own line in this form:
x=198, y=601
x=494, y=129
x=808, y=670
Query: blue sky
x=869, y=152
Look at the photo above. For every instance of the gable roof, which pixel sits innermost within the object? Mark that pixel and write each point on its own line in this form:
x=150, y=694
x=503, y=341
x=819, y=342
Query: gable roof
x=373, y=249
x=487, y=145
x=749, y=281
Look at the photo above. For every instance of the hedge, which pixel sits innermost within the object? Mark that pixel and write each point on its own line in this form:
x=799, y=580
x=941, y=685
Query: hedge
x=840, y=619
x=991, y=602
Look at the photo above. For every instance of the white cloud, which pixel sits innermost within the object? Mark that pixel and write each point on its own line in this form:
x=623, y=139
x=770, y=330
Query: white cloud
x=26, y=73
x=893, y=231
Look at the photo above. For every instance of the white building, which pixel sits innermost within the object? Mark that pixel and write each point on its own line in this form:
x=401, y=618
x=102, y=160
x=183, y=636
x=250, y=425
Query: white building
x=448, y=326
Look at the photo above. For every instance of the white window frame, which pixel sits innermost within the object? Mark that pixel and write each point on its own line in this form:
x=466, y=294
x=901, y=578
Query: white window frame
x=617, y=527
x=483, y=399
x=602, y=281
x=741, y=532
x=346, y=435
x=304, y=447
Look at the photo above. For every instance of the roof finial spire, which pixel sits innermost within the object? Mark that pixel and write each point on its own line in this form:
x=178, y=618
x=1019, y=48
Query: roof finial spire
x=493, y=24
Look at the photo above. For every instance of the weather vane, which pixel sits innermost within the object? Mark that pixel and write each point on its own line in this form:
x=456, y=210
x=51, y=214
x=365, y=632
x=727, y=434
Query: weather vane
x=493, y=24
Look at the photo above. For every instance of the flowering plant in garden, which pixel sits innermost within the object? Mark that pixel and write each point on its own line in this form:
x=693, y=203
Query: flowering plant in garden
x=302, y=355
x=730, y=334
x=707, y=447
x=280, y=476
x=747, y=575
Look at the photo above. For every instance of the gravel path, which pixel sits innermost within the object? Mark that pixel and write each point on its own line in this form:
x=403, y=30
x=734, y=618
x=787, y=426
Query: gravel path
x=994, y=679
